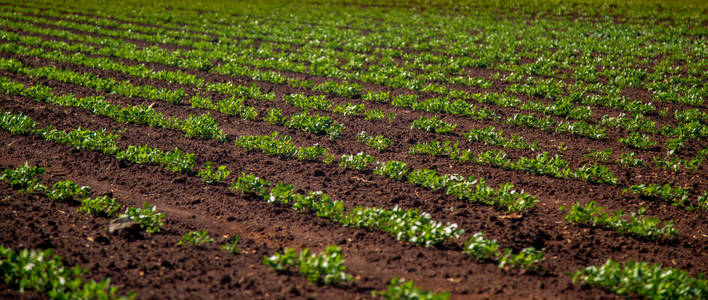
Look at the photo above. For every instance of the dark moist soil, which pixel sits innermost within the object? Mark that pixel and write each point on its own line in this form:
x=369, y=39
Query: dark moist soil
x=155, y=267
x=374, y=256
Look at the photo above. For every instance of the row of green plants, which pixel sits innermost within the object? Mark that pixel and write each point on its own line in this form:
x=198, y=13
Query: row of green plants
x=26, y=179
x=90, y=80
x=673, y=195
x=636, y=224
x=542, y=164
x=324, y=268
x=491, y=136
x=469, y=189
x=200, y=126
x=378, y=142
x=281, y=146
x=44, y=272
x=406, y=225
x=320, y=102
x=474, y=190
x=304, y=121
x=580, y=128
x=632, y=279
x=485, y=249
x=575, y=126
x=328, y=268
x=399, y=288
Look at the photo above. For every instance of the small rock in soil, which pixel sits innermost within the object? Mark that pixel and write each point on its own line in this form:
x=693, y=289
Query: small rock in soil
x=124, y=227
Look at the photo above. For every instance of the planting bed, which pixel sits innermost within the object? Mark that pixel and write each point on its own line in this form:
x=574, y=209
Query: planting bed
x=568, y=135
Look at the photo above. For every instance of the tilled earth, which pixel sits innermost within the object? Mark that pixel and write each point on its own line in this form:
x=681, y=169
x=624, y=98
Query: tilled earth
x=155, y=267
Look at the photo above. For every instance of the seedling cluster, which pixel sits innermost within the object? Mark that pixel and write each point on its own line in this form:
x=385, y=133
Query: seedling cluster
x=325, y=268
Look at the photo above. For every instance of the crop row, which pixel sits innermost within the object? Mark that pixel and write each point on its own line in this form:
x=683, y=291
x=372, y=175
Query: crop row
x=440, y=75
x=582, y=128
x=204, y=126
x=228, y=104
x=346, y=93
x=428, y=56
x=406, y=225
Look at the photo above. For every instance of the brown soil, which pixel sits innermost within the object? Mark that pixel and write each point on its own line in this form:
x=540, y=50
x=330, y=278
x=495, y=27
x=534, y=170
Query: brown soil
x=156, y=268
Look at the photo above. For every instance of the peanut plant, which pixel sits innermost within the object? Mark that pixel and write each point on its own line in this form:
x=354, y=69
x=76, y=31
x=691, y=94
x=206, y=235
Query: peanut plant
x=593, y=215
x=149, y=219
x=631, y=278
x=325, y=268
x=399, y=288
x=210, y=175
x=195, y=238
x=45, y=273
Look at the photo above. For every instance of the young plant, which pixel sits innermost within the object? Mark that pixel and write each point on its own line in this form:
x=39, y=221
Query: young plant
x=673, y=195
x=274, y=116
x=600, y=155
x=392, y=169
x=638, y=140
x=377, y=114
x=489, y=136
x=702, y=201
x=210, y=175
x=593, y=215
x=378, y=142
x=281, y=194
x=314, y=153
x=316, y=124
x=321, y=204
x=528, y=259
x=349, y=109
x=325, y=268
x=481, y=248
x=251, y=184
x=433, y=125
x=409, y=225
x=202, y=126
x=18, y=124
x=399, y=289
x=232, y=245
x=381, y=97
x=596, y=174
x=360, y=161
x=149, y=219
x=308, y=102
x=630, y=278
x=235, y=106
x=68, y=191
x=196, y=238
x=100, y=206
x=24, y=178
x=628, y=159
x=45, y=273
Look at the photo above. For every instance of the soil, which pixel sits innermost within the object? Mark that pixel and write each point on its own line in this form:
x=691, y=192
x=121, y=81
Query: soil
x=155, y=267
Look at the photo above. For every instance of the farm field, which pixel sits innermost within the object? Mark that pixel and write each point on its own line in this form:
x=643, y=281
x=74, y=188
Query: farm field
x=353, y=150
